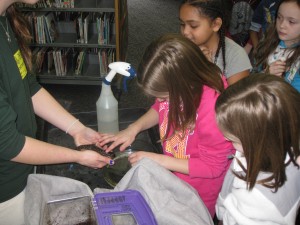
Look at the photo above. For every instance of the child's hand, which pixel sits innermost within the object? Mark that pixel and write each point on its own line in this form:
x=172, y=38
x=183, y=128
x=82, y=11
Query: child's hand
x=277, y=68
x=137, y=156
x=208, y=53
x=123, y=138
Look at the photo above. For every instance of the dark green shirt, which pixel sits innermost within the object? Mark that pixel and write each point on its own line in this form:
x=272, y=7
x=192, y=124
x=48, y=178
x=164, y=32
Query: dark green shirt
x=17, y=118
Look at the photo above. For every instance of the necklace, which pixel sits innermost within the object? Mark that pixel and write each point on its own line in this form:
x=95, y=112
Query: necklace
x=6, y=31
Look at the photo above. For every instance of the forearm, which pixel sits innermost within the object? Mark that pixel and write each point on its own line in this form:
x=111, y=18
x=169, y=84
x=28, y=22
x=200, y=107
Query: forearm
x=174, y=164
x=254, y=38
x=238, y=76
x=168, y=162
x=36, y=152
x=46, y=107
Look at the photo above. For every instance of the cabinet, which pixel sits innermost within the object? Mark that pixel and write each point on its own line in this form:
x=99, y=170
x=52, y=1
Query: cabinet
x=75, y=40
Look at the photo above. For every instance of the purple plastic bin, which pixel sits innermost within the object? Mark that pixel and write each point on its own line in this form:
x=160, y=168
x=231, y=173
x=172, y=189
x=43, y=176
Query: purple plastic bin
x=125, y=207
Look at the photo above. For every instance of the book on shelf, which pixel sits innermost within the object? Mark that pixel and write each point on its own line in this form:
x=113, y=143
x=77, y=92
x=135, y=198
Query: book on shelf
x=50, y=61
x=82, y=21
x=79, y=63
x=55, y=60
x=62, y=61
x=103, y=23
x=105, y=57
x=86, y=21
x=38, y=58
x=43, y=27
x=51, y=26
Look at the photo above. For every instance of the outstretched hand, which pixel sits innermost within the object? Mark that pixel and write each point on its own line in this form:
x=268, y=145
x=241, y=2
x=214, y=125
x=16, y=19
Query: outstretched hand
x=123, y=139
x=86, y=136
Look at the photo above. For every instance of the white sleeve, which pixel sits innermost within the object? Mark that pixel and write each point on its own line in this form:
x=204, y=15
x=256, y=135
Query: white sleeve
x=245, y=207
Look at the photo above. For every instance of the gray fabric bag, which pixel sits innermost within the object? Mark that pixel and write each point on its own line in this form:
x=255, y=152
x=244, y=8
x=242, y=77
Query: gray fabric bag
x=172, y=200
x=43, y=188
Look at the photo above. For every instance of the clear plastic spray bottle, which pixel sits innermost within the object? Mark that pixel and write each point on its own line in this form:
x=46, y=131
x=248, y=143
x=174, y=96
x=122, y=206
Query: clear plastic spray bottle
x=107, y=104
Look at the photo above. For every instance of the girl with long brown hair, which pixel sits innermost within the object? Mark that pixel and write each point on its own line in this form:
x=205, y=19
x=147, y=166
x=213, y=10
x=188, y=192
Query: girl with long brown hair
x=186, y=86
x=260, y=115
x=279, y=52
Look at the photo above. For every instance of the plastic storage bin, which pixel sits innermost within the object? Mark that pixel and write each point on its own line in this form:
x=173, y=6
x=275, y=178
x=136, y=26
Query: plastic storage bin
x=119, y=208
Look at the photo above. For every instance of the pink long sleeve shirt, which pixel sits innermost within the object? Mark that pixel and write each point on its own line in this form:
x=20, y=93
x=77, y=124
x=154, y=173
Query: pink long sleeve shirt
x=205, y=148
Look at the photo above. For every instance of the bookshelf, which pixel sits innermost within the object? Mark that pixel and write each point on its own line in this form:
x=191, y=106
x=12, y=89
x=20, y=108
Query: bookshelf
x=75, y=40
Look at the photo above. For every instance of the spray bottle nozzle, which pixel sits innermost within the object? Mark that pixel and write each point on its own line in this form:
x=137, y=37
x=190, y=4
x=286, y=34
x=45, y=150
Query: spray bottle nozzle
x=122, y=68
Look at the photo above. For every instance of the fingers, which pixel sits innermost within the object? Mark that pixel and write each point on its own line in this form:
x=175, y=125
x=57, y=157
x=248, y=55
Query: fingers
x=278, y=68
x=103, y=161
x=133, y=158
x=115, y=143
x=93, y=159
x=207, y=52
x=105, y=140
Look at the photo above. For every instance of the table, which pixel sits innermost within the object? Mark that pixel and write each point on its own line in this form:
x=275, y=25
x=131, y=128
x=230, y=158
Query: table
x=146, y=141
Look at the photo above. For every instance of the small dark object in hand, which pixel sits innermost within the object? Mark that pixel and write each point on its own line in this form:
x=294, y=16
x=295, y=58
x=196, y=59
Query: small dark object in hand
x=97, y=149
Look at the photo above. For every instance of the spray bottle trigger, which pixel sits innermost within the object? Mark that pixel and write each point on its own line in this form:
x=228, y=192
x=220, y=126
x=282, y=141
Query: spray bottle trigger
x=132, y=75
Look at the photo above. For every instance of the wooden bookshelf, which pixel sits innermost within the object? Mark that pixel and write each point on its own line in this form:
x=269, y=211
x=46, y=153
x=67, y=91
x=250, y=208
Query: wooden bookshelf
x=111, y=46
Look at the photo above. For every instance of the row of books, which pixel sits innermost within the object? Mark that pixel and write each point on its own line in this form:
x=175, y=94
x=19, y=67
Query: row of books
x=43, y=26
x=46, y=26
x=50, y=3
x=71, y=61
x=105, y=57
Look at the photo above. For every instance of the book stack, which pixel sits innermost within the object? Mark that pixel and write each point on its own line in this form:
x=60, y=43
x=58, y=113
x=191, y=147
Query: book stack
x=79, y=62
x=43, y=27
x=82, y=24
x=105, y=56
x=104, y=22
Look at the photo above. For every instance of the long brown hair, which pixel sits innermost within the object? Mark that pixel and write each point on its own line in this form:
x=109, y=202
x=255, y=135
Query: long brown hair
x=20, y=27
x=262, y=111
x=213, y=9
x=270, y=43
x=174, y=65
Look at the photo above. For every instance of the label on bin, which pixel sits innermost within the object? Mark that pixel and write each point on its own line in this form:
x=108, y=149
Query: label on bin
x=113, y=208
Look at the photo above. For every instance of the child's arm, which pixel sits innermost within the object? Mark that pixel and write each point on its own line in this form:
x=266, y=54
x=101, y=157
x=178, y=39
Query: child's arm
x=170, y=163
x=238, y=76
x=238, y=64
x=254, y=38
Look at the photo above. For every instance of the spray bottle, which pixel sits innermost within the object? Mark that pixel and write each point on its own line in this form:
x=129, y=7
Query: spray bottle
x=107, y=105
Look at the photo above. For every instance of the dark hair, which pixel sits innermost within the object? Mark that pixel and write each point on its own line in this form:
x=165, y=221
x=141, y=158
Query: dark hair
x=270, y=43
x=174, y=65
x=262, y=111
x=212, y=9
x=20, y=27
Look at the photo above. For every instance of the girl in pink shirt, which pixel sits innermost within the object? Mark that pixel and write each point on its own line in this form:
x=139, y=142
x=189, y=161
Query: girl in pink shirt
x=186, y=86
